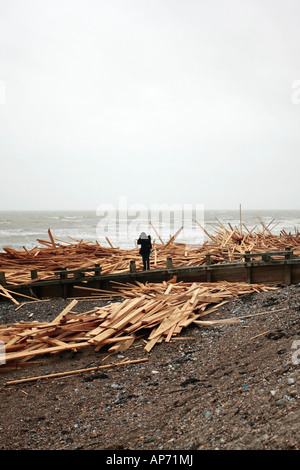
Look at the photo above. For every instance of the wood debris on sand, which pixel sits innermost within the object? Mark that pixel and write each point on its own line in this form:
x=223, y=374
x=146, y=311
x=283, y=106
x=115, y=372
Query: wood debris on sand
x=225, y=244
x=156, y=312
x=153, y=312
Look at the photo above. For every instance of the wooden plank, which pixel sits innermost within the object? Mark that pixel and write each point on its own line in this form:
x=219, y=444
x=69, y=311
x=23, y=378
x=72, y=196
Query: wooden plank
x=158, y=310
x=41, y=351
x=150, y=344
x=4, y=292
x=122, y=346
x=77, y=371
x=225, y=321
x=104, y=335
x=66, y=310
x=167, y=323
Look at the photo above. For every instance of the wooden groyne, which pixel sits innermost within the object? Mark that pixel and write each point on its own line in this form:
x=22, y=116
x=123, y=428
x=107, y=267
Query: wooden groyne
x=68, y=268
x=268, y=268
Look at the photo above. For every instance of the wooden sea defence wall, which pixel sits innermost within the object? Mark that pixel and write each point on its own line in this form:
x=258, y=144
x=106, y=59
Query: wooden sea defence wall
x=69, y=268
x=261, y=268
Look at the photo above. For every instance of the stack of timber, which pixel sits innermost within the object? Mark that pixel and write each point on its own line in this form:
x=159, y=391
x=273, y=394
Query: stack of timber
x=228, y=243
x=225, y=244
x=150, y=312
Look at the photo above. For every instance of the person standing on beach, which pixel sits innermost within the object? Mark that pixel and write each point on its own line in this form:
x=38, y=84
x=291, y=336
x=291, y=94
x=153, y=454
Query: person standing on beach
x=145, y=250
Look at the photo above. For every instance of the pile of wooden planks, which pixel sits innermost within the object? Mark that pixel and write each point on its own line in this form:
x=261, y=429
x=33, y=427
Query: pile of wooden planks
x=153, y=312
x=52, y=256
x=225, y=244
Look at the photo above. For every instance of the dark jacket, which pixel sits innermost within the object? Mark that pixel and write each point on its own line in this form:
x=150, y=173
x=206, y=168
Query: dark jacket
x=146, y=245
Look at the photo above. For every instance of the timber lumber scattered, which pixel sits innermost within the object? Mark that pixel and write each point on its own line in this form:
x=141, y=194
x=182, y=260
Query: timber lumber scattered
x=76, y=371
x=153, y=312
x=5, y=293
x=225, y=244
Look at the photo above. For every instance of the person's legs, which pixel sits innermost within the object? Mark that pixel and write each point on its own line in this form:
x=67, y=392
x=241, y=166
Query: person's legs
x=145, y=262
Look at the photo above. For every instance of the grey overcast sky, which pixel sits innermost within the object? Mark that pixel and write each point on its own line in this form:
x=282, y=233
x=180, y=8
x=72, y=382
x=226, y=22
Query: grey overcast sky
x=158, y=101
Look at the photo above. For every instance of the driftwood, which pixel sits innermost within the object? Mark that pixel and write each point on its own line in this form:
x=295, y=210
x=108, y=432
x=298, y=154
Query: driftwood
x=74, y=372
x=225, y=244
x=5, y=293
x=156, y=312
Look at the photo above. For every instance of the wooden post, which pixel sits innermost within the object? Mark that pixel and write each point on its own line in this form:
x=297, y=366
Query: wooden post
x=287, y=274
x=79, y=275
x=248, y=268
x=289, y=253
x=208, y=271
x=2, y=279
x=132, y=266
x=169, y=263
x=287, y=267
x=97, y=269
x=63, y=275
x=33, y=274
x=64, y=290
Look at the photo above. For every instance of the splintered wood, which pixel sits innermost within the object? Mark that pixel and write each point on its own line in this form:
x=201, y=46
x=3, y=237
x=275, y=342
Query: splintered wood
x=153, y=312
x=225, y=244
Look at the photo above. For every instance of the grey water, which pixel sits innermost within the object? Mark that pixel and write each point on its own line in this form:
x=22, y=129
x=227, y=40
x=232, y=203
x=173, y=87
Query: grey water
x=25, y=228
